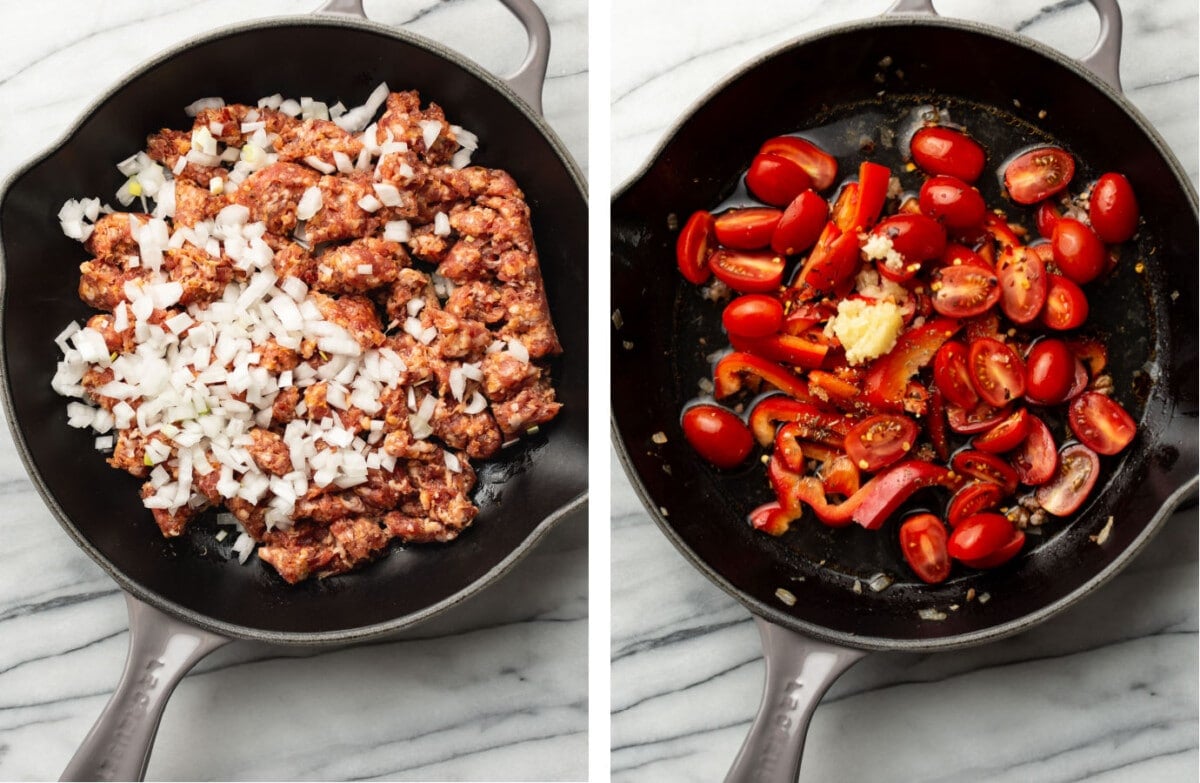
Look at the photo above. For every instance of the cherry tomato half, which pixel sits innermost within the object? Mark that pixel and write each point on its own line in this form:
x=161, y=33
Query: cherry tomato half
x=1006, y=435
x=1037, y=458
x=952, y=201
x=916, y=238
x=923, y=542
x=964, y=290
x=996, y=371
x=1078, y=469
x=986, y=467
x=776, y=180
x=1023, y=284
x=1002, y=554
x=694, y=246
x=717, y=435
x=1046, y=216
x=940, y=150
x=746, y=229
x=880, y=440
x=1078, y=251
x=979, y=536
x=801, y=224
x=753, y=315
x=1101, y=423
x=972, y=499
x=956, y=255
x=1049, y=372
x=1066, y=304
x=820, y=166
x=951, y=375
x=1113, y=209
x=970, y=421
x=1038, y=174
x=748, y=271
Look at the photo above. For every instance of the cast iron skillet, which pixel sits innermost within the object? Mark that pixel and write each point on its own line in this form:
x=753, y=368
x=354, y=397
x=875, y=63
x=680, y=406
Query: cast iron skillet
x=187, y=596
x=996, y=83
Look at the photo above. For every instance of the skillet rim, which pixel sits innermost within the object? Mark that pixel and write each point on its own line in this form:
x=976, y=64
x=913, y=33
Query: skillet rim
x=1170, y=502
x=132, y=586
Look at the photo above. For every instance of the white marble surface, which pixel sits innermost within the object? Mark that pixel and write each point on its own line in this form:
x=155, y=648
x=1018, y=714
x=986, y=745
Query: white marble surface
x=494, y=690
x=1105, y=692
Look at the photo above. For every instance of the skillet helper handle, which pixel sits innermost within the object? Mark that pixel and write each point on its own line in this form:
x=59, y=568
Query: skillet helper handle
x=529, y=78
x=1104, y=59
x=799, y=671
x=161, y=650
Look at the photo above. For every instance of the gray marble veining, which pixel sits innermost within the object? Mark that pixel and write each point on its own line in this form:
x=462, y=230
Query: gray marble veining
x=1104, y=692
x=495, y=689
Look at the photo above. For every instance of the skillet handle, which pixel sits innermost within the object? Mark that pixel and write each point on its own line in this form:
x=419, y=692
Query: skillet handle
x=161, y=650
x=799, y=671
x=529, y=78
x=1104, y=59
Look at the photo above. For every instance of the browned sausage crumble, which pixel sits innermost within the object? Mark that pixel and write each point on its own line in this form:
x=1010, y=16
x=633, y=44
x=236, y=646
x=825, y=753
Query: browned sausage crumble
x=318, y=327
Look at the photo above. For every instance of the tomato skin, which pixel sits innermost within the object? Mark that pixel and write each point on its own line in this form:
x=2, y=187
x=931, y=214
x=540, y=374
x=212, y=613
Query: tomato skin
x=951, y=375
x=972, y=499
x=1078, y=251
x=753, y=315
x=971, y=421
x=746, y=229
x=820, y=166
x=1113, y=209
x=916, y=238
x=923, y=542
x=717, y=435
x=880, y=440
x=748, y=271
x=1037, y=458
x=1003, y=554
x=1038, y=174
x=955, y=203
x=964, y=290
x=986, y=467
x=979, y=536
x=693, y=247
x=1049, y=372
x=1023, y=284
x=776, y=180
x=947, y=152
x=801, y=224
x=1078, y=469
x=1006, y=435
x=1046, y=216
x=1101, y=423
x=996, y=371
x=1066, y=304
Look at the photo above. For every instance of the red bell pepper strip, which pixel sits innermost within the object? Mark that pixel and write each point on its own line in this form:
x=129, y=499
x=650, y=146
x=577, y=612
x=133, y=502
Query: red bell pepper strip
x=814, y=423
x=935, y=424
x=832, y=263
x=840, y=476
x=872, y=193
x=774, y=518
x=842, y=393
x=895, y=485
x=887, y=380
x=798, y=351
x=730, y=372
x=1000, y=231
x=788, y=447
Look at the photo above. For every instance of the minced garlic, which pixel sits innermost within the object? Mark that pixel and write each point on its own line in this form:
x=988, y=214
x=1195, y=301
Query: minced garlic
x=866, y=329
x=878, y=247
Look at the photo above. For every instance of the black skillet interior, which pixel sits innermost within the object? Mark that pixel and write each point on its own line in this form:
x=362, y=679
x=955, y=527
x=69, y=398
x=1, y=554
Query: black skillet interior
x=830, y=88
x=195, y=575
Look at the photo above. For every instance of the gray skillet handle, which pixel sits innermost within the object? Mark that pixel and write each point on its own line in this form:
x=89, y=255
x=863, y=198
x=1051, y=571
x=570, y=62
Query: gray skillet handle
x=1104, y=59
x=529, y=78
x=161, y=650
x=799, y=671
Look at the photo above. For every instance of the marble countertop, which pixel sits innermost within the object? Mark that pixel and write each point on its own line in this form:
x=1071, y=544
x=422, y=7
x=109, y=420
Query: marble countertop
x=1106, y=691
x=495, y=689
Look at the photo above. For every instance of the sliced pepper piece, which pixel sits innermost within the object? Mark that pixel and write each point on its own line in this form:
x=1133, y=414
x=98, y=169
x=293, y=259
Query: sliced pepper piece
x=729, y=376
x=887, y=380
x=814, y=423
x=796, y=350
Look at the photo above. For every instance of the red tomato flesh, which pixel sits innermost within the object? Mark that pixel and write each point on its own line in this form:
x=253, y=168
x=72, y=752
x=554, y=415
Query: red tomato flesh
x=1006, y=435
x=996, y=371
x=1037, y=458
x=1066, y=304
x=880, y=440
x=1023, y=284
x=923, y=542
x=717, y=435
x=1078, y=469
x=1049, y=372
x=964, y=290
x=951, y=375
x=746, y=229
x=972, y=499
x=820, y=166
x=693, y=247
x=1038, y=174
x=986, y=467
x=748, y=271
x=1101, y=423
